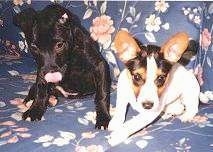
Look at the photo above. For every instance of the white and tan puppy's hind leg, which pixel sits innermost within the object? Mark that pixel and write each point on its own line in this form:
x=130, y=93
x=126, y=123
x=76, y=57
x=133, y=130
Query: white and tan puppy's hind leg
x=190, y=96
x=181, y=91
x=174, y=109
x=191, y=102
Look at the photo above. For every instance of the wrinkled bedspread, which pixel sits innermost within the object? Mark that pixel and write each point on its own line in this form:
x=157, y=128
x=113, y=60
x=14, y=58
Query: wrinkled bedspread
x=69, y=126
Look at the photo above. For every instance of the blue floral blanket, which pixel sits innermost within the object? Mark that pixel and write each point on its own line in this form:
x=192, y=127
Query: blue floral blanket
x=69, y=126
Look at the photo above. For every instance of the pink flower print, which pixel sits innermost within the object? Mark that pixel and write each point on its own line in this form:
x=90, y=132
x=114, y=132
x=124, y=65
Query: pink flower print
x=199, y=119
x=13, y=139
x=5, y=134
x=199, y=74
x=18, y=2
x=88, y=135
x=101, y=29
x=7, y=123
x=80, y=149
x=205, y=38
x=95, y=148
x=90, y=148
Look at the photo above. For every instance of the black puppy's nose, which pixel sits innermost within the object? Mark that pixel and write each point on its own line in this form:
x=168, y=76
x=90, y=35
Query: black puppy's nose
x=55, y=67
x=147, y=104
x=52, y=68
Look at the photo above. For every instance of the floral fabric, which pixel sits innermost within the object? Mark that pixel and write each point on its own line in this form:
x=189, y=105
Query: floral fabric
x=204, y=64
x=69, y=126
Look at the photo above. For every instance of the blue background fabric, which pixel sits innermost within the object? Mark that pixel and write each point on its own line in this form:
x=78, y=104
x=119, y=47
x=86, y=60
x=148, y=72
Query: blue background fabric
x=69, y=126
x=204, y=62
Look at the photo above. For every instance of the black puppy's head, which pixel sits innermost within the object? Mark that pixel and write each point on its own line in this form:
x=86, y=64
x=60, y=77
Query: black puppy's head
x=49, y=34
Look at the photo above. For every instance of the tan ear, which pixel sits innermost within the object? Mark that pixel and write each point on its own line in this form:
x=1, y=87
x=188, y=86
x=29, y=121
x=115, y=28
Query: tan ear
x=125, y=46
x=175, y=46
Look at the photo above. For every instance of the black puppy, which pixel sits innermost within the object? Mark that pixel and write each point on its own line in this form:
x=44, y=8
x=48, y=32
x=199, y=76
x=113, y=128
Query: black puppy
x=66, y=56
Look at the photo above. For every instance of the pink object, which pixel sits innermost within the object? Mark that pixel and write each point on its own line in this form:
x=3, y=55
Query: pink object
x=53, y=101
x=205, y=38
x=53, y=77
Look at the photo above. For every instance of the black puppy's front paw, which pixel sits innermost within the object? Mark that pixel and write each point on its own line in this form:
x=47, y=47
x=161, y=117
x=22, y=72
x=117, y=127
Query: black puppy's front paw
x=35, y=113
x=102, y=120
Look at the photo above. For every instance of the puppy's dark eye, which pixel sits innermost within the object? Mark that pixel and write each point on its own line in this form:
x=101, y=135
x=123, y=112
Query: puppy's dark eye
x=137, y=77
x=34, y=49
x=59, y=46
x=33, y=46
x=160, y=80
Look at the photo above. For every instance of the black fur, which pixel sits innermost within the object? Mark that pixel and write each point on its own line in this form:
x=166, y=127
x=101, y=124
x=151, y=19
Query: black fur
x=64, y=47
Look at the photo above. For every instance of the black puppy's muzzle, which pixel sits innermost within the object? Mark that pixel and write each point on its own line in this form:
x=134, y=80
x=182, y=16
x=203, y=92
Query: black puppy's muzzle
x=52, y=74
x=54, y=68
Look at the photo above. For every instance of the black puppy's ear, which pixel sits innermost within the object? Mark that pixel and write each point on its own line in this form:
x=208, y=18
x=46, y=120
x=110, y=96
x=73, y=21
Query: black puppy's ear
x=25, y=21
x=78, y=36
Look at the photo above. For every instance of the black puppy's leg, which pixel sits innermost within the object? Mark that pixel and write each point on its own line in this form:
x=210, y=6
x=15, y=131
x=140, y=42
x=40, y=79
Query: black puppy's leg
x=53, y=93
x=31, y=94
x=102, y=97
x=90, y=51
x=39, y=106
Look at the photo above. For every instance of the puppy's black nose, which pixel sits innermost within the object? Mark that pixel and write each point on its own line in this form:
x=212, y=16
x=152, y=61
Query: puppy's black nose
x=147, y=104
x=54, y=68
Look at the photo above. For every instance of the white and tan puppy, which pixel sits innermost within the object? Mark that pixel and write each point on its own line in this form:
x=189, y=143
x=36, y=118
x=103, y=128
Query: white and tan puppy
x=152, y=82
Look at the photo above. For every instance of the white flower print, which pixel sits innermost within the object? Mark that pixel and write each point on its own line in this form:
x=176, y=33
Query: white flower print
x=153, y=23
x=161, y=6
x=21, y=45
x=195, y=10
x=166, y=26
x=191, y=16
x=185, y=11
x=91, y=116
x=67, y=135
x=197, y=19
x=45, y=138
x=60, y=142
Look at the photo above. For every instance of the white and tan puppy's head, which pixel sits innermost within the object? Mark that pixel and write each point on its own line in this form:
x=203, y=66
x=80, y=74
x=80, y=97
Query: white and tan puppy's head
x=149, y=66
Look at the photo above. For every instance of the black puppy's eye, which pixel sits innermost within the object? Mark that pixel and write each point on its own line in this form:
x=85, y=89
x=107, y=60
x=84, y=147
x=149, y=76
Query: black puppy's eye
x=34, y=49
x=33, y=46
x=160, y=80
x=59, y=46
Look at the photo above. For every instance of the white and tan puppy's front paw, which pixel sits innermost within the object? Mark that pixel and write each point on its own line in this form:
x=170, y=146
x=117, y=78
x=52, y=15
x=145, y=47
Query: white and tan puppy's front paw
x=118, y=136
x=114, y=124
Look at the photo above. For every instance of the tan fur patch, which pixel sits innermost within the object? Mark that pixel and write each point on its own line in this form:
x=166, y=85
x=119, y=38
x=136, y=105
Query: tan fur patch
x=142, y=73
x=161, y=89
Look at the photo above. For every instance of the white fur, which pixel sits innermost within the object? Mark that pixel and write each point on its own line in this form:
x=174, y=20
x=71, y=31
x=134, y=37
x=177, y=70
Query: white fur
x=148, y=91
x=184, y=87
x=182, y=91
